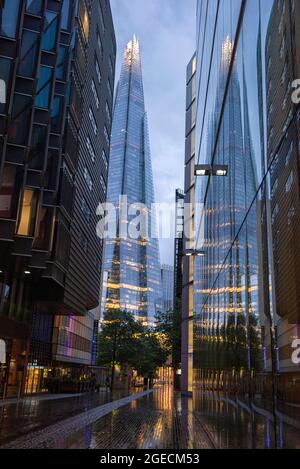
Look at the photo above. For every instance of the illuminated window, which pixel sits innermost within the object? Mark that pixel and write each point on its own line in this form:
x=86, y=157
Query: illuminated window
x=28, y=213
x=84, y=19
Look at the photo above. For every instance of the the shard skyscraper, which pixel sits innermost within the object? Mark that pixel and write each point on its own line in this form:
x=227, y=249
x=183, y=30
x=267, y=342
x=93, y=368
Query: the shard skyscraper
x=132, y=280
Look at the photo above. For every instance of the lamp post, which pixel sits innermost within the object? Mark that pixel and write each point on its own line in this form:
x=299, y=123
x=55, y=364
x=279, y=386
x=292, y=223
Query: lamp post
x=202, y=170
x=194, y=253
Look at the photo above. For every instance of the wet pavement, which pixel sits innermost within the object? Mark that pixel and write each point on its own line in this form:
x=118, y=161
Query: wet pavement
x=157, y=419
x=18, y=418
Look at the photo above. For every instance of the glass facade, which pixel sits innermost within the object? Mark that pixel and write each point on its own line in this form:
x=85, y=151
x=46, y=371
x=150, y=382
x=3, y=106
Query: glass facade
x=167, y=277
x=247, y=286
x=133, y=265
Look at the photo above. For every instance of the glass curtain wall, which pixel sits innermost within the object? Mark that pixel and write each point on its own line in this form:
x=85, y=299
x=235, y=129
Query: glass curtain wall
x=247, y=286
x=132, y=266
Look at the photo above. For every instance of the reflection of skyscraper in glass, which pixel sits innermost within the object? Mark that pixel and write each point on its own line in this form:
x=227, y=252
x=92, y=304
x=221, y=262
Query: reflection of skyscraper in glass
x=132, y=265
x=227, y=291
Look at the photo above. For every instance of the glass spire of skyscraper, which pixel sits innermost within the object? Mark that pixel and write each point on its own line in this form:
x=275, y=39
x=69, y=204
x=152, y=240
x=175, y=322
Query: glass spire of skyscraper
x=132, y=280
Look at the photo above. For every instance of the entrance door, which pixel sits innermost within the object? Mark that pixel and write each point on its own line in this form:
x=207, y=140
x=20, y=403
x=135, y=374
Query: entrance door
x=36, y=380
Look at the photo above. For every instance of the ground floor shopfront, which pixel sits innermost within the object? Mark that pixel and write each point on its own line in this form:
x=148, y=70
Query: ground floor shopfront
x=14, y=340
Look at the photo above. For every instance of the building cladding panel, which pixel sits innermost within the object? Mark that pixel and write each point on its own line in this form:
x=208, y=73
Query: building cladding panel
x=132, y=265
x=246, y=286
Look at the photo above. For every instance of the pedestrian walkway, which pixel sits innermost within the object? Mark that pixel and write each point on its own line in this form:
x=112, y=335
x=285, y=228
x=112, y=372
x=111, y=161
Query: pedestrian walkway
x=150, y=420
x=18, y=418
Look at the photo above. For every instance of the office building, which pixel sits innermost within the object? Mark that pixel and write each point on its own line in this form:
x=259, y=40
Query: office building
x=131, y=263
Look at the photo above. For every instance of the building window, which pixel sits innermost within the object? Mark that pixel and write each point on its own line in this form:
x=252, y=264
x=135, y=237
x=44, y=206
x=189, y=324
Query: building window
x=100, y=44
x=97, y=67
x=65, y=15
x=85, y=210
x=289, y=182
x=34, y=6
x=7, y=191
x=91, y=149
x=28, y=54
x=18, y=128
x=111, y=67
x=61, y=63
x=84, y=242
x=27, y=215
x=108, y=113
x=110, y=92
x=38, y=147
x=44, y=233
x=44, y=87
x=104, y=158
x=101, y=18
x=88, y=179
x=84, y=20
x=106, y=136
x=50, y=31
x=9, y=18
x=57, y=114
x=96, y=97
x=103, y=183
x=93, y=121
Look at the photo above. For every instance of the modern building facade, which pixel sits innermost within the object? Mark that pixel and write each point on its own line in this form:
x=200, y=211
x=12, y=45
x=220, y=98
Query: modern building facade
x=188, y=237
x=178, y=246
x=45, y=156
x=246, y=288
x=167, y=279
x=131, y=263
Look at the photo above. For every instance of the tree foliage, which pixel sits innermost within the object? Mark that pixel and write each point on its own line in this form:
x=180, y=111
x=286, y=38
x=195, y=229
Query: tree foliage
x=169, y=326
x=124, y=341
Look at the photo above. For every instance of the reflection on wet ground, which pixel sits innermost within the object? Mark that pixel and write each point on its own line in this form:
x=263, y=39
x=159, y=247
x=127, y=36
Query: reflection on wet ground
x=28, y=415
x=159, y=420
x=233, y=423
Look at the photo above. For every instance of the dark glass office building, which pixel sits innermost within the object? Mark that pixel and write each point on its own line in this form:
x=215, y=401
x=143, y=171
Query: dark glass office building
x=57, y=62
x=132, y=266
x=246, y=285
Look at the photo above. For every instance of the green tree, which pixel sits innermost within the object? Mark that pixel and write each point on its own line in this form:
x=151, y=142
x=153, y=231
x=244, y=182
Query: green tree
x=119, y=341
x=169, y=326
x=152, y=354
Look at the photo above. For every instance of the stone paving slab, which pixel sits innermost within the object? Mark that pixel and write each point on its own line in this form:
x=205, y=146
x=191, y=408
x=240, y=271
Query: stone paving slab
x=46, y=437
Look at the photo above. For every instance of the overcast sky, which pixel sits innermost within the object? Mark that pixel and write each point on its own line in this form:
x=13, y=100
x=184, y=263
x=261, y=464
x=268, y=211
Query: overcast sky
x=166, y=30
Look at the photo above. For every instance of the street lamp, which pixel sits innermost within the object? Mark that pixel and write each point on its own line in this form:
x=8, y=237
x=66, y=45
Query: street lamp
x=209, y=170
x=194, y=253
